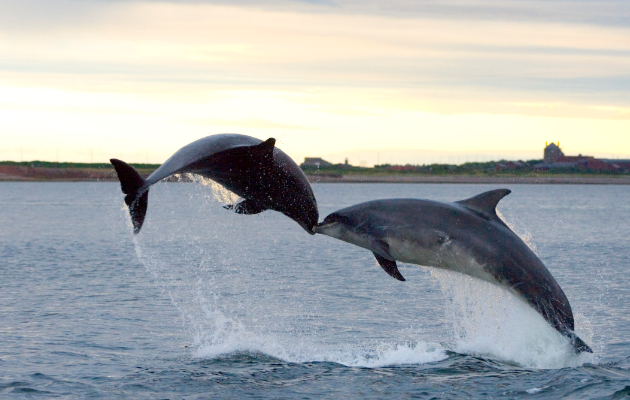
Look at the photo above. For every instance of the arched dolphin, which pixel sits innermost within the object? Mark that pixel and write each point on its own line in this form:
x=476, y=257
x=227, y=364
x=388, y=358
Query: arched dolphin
x=257, y=171
x=466, y=236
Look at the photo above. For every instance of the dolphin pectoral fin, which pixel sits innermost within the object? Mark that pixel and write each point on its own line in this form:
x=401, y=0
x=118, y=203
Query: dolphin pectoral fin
x=486, y=202
x=389, y=266
x=247, y=207
x=378, y=246
x=380, y=249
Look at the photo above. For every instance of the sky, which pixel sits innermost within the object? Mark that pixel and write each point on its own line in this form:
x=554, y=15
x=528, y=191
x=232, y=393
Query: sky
x=374, y=81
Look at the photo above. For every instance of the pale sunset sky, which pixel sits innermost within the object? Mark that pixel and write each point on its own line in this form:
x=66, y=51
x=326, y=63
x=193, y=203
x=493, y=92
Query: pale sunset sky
x=397, y=81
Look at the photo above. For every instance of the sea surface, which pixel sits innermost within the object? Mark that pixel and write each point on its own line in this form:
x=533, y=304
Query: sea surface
x=205, y=303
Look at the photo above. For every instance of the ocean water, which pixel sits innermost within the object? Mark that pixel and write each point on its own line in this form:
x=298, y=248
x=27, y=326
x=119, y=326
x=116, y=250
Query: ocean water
x=204, y=303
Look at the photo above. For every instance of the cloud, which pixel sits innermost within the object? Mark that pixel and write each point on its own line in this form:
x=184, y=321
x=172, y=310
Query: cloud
x=40, y=14
x=191, y=47
x=428, y=74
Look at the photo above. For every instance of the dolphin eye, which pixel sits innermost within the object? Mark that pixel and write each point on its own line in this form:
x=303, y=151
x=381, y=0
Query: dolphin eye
x=336, y=218
x=443, y=240
x=329, y=219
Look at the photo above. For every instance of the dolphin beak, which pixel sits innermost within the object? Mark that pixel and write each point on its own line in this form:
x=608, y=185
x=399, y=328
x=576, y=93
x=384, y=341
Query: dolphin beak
x=310, y=229
x=307, y=219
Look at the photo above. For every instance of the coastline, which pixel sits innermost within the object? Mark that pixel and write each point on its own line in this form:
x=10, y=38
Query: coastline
x=532, y=180
x=38, y=174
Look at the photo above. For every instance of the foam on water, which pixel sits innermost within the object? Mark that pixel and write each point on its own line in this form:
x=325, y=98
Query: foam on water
x=233, y=337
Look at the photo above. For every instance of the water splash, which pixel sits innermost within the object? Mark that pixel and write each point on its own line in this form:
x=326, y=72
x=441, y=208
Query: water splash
x=220, y=192
x=233, y=338
x=489, y=321
x=525, y=235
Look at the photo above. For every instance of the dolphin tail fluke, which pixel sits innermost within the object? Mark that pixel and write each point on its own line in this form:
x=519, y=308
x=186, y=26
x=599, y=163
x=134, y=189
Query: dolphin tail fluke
x=137, y=196
x=578, y=344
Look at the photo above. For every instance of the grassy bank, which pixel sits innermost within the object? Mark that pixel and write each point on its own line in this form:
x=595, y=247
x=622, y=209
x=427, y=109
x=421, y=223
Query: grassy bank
x=501, y=168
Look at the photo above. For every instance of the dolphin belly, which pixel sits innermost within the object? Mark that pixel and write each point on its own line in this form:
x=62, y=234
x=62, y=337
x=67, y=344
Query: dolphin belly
x=449, y=257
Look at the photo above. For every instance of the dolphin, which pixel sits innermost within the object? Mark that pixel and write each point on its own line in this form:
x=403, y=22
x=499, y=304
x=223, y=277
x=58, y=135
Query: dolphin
x=466, y=237
x=262, y=174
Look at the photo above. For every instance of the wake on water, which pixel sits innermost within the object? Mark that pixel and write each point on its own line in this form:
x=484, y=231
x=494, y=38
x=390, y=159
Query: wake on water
x=485, y=320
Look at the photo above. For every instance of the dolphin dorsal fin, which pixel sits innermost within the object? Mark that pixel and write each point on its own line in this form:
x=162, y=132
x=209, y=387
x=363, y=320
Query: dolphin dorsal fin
x=266, y=148
x=268, y=144
x=486, y=202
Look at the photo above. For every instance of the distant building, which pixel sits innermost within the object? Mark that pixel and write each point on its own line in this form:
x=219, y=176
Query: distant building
x=574, y=159
x=595, y=164
x=552, y=152
x=555, y=158
x=623, y=165
x=316, y=162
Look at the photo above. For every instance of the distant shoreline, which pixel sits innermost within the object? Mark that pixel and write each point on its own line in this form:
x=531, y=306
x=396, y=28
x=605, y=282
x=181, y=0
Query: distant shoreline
x=531, y=180
x=38, y=174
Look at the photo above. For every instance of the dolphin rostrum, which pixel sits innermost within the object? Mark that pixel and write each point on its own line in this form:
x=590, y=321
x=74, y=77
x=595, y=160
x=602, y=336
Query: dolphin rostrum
x=466, y=237
x=262, y=174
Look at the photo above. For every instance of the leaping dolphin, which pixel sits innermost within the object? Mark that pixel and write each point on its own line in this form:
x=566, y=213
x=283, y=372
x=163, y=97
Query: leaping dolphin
x=262, y=174
x=466, y=237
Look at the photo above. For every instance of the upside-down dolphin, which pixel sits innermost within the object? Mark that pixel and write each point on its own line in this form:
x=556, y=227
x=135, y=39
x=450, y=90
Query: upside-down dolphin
x=263, y=175
x=466, y=237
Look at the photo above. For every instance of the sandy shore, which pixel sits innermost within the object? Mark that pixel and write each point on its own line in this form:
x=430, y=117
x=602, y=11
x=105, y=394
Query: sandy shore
x=26, y=174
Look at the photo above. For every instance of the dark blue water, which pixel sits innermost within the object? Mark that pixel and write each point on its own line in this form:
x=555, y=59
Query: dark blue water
x=205, y=303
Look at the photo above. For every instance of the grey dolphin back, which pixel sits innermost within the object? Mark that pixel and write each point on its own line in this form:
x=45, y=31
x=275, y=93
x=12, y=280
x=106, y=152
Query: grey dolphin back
x=204, y=148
